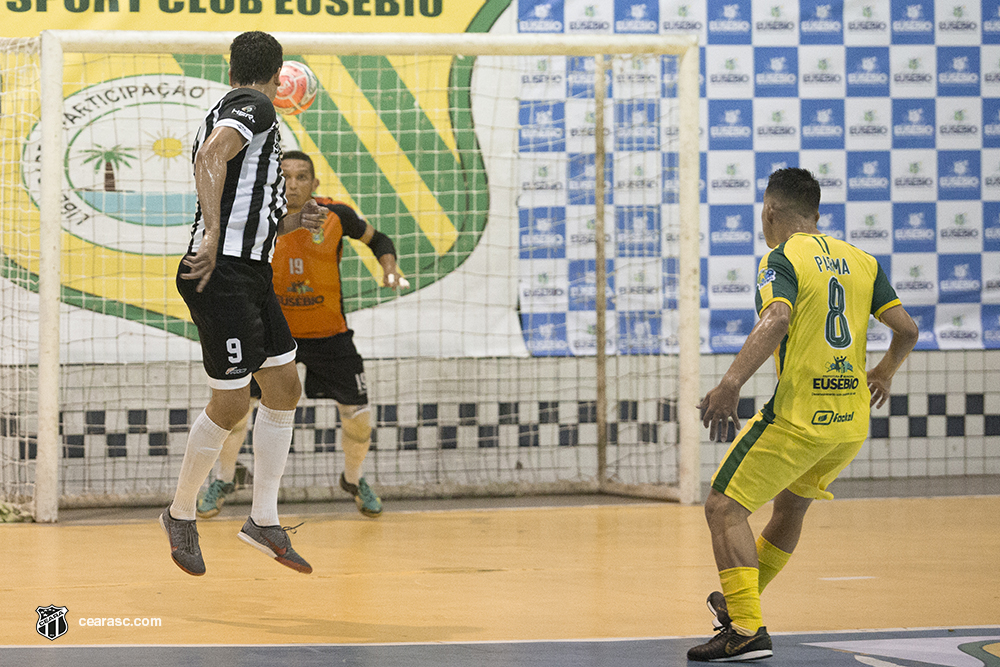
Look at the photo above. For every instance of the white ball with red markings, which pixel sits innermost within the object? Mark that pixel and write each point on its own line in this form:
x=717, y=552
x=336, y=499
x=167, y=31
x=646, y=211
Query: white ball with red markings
x=298, y=88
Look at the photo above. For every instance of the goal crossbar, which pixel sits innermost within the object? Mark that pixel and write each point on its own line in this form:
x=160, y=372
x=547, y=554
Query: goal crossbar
x=304, y=43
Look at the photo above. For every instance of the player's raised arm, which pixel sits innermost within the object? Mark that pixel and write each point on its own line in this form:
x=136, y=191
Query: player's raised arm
x=310, y=216
x=904, y=338
x=381, y=245
x=222, y=145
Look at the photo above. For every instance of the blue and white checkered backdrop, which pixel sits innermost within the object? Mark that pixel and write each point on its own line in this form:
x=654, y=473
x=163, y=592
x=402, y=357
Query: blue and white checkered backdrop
x=894, y=105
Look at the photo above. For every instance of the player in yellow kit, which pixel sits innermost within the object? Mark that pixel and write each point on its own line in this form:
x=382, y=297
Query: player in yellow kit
x=307, y=284
x=814, y=297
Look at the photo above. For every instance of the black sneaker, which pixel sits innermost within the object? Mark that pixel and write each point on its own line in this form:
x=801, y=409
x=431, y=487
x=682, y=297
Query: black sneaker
x=720, y=612
x=184, y=549
x=273, y=541
x=730, y=646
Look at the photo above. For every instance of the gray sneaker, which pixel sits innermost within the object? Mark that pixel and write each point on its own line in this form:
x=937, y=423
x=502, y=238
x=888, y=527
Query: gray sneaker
x=273, y=541
x=184, y=549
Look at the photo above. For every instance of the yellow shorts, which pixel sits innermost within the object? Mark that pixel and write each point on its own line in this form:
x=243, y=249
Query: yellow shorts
x=767, y=458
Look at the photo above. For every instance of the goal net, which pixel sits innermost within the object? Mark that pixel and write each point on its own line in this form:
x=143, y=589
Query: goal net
x=548, y=341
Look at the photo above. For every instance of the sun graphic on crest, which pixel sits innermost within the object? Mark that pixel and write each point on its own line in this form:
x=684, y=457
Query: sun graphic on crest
x=166, y=145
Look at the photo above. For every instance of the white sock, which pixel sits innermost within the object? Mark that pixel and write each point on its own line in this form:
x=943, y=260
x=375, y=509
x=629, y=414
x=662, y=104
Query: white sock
x=272, y=437
x=204, y=443
x=231, y=451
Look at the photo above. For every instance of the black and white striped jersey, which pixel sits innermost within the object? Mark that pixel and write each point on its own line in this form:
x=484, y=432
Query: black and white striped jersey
x=253, y=197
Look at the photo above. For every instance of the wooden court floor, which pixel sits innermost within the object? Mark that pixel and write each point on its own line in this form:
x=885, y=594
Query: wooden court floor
x=585, y=572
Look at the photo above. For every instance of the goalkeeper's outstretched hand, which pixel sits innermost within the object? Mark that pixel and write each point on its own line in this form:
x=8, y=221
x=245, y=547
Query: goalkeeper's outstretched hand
x=391, y=277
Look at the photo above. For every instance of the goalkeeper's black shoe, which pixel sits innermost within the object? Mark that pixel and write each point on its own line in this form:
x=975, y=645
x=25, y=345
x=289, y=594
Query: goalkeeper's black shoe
x=730, y=646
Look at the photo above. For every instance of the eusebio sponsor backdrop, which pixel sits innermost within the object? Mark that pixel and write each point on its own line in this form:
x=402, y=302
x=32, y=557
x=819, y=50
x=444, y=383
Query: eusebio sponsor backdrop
x=894, y=105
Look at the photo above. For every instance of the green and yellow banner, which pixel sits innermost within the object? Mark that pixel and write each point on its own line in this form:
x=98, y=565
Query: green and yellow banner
x=391, y=136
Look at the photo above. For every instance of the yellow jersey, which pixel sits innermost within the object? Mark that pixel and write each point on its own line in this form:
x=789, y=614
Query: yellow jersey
x=832, y=287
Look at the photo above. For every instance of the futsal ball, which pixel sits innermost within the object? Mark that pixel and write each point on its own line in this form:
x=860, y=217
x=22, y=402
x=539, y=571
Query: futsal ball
x=297, y=90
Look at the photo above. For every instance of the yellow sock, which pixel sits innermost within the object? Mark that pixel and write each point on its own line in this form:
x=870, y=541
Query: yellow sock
x=739, y=585
x=771, y=560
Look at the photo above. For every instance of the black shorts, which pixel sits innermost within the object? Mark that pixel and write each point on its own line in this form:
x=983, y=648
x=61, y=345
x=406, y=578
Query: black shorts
x=334, y=369
x=239, y=321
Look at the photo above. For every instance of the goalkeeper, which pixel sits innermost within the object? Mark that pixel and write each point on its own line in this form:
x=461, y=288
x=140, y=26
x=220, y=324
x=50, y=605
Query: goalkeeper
x=307, y=282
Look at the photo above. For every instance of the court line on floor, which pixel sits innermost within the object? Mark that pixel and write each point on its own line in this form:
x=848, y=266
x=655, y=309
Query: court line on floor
x=602, y=640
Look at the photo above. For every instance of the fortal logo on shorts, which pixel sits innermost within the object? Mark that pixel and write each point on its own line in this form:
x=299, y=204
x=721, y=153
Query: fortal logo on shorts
x=828, y=417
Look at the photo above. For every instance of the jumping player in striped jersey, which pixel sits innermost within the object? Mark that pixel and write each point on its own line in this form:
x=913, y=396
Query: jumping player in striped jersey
x=225, y=280
x=814, y=297
x=308, y=284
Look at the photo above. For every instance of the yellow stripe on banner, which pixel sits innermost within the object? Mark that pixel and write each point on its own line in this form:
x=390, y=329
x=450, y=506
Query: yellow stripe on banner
x=331, y=186
x=395, y=166
x=145, y=281
x=427, y=78
x=83, y=70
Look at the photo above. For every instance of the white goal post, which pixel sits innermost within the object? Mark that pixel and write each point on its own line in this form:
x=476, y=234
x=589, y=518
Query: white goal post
x=54, y=44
